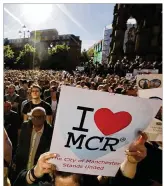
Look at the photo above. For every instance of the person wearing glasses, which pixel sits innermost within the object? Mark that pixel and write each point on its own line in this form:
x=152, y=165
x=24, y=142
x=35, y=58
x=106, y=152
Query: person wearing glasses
x=35, y=139
x=36, y=101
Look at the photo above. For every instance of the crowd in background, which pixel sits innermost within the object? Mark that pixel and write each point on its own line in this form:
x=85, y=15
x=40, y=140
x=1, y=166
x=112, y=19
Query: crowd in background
x=31, y=99
x=121, y=67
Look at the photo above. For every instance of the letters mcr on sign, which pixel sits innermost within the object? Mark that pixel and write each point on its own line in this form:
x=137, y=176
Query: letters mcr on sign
x=107, y=122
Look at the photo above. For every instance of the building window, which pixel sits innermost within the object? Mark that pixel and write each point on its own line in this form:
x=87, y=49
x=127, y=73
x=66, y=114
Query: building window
x=53, y=37
x=46, y=37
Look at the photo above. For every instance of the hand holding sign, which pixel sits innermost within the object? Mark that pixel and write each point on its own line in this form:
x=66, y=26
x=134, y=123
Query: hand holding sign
x=137, y=150
x=93, y=129
x=43, y=167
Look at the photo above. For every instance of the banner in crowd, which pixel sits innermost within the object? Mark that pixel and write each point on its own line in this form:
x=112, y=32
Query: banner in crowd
x=129, y=76
x=80, y=68
x=149, y=81
x=145, y=71
x=92, y=129
x=154, y=130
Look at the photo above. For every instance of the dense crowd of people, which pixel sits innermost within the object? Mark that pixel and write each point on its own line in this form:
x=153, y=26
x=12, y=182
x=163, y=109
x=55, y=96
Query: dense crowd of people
x=30, y=104
x=121, y=67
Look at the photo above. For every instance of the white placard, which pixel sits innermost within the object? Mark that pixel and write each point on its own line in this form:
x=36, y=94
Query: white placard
x=149, y=81
x=80, y=68
x=154, y=130
x=145, y=71
x=129, y=76
x=150, y=93
x=92, y=129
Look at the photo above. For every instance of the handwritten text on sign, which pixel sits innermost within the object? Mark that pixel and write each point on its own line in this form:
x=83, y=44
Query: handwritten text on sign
x=92, y=129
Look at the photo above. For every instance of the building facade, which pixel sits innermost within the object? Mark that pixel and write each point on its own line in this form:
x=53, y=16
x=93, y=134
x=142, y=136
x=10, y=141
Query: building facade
x=98, y=47
x=43, y=39
x=106, y=43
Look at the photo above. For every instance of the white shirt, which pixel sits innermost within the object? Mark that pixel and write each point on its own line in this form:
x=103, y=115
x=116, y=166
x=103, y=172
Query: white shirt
x=53, y=105
x=35, y=139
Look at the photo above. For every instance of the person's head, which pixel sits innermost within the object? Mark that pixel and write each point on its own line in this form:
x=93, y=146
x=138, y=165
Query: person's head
x=25, y=84
x=38, y=117
x=53, y=83
x=29, y=93
x=100, y=87
x=11, y=89
x=78, y=86
x=71, y=80
x=82, y=83
x=67, y=179
x=7, y=107
x=93, y=86
x=35, y=91
x=53, y=90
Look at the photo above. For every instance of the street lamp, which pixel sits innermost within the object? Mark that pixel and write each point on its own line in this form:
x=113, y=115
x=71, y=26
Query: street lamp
x=28, y=33
x=20, y=33
x=24, y=32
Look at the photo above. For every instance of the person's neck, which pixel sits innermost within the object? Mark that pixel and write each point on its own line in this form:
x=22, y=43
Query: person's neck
x=38, y=128
x=53, y=97
x=11, y=94
x=36, y=101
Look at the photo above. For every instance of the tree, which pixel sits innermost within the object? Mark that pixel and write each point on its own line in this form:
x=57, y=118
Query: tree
x=84, y=57
x=58, y=58
x=25, y=58
x=90, y=53
x=8, y=56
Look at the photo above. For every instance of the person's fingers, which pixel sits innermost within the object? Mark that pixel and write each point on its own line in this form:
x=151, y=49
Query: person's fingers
x=46, y=166
x=53, y=167
x=136, y=148
x=136, y=153
x=47, y=171
x=48, y=156
x=142, y=138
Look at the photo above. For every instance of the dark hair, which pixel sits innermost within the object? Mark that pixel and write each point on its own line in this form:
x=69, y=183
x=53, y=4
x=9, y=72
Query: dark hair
x=78, y=178
x=54, y=88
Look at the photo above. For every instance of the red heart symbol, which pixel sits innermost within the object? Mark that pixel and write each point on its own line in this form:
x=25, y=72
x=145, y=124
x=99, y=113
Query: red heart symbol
x=109, y=122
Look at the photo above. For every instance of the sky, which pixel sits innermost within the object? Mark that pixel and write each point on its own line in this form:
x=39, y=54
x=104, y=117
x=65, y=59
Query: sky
x=85, y=20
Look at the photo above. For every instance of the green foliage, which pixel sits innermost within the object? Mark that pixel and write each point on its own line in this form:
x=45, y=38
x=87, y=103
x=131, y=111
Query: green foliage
x=90, y=52
x=58, y=49
x=25, y=57
x=58, y=58
x=27, y=50
x=8, y=53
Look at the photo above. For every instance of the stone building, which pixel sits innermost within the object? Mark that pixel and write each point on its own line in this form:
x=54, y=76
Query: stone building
x=148, y=34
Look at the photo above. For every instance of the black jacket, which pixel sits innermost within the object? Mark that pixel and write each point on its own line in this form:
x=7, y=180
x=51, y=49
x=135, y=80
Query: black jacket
x=148, y=169
x=12, y=124
x=22, y=154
